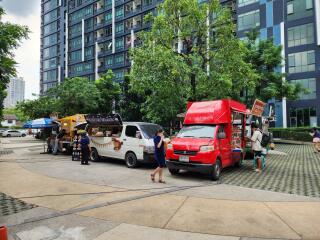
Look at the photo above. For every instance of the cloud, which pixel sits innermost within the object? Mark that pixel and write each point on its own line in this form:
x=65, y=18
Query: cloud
x=20, y=8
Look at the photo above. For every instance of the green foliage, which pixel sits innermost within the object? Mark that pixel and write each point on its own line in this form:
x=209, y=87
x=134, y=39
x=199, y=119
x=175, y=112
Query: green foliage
x=38, y=108
x=265, y=58
x=130, y=103
x=15, y=111
x=206, y=68
x=10, y=37
x=109, y=92
x=75, y=95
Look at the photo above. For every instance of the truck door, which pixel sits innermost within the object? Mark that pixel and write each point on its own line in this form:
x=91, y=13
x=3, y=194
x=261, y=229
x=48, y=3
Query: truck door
x=131, y=142
x=225, y=146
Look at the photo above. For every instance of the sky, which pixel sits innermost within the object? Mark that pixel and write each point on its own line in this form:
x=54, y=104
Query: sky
x=26, y=12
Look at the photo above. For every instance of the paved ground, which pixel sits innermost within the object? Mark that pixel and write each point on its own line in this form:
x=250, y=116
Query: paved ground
x=106, y=200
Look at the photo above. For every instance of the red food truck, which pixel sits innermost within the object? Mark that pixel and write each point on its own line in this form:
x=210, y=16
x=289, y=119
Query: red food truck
x=212, y=138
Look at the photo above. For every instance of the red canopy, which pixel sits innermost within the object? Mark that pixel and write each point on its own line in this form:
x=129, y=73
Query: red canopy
x=213, y=112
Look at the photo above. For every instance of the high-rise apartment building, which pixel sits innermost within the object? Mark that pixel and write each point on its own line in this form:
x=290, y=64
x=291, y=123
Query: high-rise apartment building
x=294, y=24
x=15, y=92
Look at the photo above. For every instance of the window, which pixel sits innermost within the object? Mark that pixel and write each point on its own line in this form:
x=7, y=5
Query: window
x=303, y=117
x=47, y=86
x=50, y=40
x=301, y=62
x=50, y=5
x=78, y=15
x=88, y=24
x=109, y=31
x=50, y=76
x=249, y=20
x=108, y=3
x=300, y=35
x=50, y=52
x=119, y=43
x=52, y=27
x=88, y=52
x=118, y=75
x=309, y=4
x=119, y=27
x=310, y=85
x=81, y=67
x=119, y=12
x=76, y=43
x=75, y=56
x=76, y=30
x=109, y=61
x=119, y=59
x=50, y=63
x=51, y=16
x=147, y=2
x=88, y=38
x=242, y=3
x=131, y=131
x=108, y=16
x=290, y=8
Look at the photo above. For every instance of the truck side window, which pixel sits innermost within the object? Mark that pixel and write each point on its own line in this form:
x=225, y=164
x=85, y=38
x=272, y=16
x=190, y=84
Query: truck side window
x=221, y=129
x=131, y=131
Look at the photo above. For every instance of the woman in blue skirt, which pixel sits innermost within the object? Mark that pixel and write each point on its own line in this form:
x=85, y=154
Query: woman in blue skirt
x=159, y=155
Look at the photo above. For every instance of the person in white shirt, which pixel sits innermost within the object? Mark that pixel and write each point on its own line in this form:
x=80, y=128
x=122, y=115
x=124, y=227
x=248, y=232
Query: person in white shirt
x=256, y=145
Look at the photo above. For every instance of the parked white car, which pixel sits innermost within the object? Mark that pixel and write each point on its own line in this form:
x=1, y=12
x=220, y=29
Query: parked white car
x=13, y=133
x=131, y=142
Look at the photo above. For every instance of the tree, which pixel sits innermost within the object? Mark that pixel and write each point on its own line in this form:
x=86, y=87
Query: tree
x=190, y=52
x=17, y=112
x=75, y=95
x=131, y=102
x=38, y=108
x=266, y=59
x=109, y=92
x=11, y=36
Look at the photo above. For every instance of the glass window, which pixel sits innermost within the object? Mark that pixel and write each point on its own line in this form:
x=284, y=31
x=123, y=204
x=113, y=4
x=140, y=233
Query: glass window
x=309, y=4
x=108, y=3
x=119, y=43
x=249, y=20
x=76, y=30
x=50, y=5
x=290, y=8
x=197, y=131
x=119, y=12
x=118, y=75
x=119, y=59
x=88, y=52
x=300, y=35
x=131, y=131
x=80, y=14
x=50, y=40
x=50, y=52
x=52, y=27
x=76, y=43
x=147, y=2
x=303, y=117
x=109, y=61
x=108, y=16
x=119, y=27
x=75, y=56
x=50, y=63
x=50, y=76
x=301, y=62
x=299, y=9
x=81, y=67
x=51, y=16
x=310, y=85
x=242, y=3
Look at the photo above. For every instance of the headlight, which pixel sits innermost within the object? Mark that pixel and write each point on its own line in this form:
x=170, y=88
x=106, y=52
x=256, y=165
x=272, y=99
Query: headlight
x=206, y=148
x=148, y=149
x=170, y=146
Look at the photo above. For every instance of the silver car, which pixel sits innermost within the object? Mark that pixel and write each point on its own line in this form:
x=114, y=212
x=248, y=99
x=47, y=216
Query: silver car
x=13, y=133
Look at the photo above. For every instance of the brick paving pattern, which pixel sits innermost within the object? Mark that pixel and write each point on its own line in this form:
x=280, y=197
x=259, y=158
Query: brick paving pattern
x=9, y=205
x=296, y=173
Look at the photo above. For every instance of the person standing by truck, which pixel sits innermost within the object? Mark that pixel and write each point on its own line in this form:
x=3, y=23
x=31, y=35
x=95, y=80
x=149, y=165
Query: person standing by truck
x=85, y=147
x=159, y=155
x=256, y=146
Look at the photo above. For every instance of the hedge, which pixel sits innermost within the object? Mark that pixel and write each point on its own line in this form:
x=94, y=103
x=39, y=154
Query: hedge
x=297, y=134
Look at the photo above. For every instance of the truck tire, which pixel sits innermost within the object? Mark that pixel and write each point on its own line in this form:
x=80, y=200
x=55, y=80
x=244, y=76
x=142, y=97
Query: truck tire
x=131, y=160
x=95, y=155
x=216, y=171
x=174, y=171
x=8, y=135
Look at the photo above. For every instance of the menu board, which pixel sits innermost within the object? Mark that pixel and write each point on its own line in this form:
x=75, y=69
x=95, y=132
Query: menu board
x=101, y=119
x=237, y=124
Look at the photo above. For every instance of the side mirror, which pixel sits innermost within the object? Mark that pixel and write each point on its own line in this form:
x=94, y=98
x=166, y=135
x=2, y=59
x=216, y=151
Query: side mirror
x=221, y=135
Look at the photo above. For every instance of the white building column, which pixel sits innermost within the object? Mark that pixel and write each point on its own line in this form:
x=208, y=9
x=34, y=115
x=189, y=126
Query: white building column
x=97, y=50
x=113, y=27
x=132, y=38
x=67, y=46
x=283, y=70
x=59, y=75
x=82, y=40
x=317, y=12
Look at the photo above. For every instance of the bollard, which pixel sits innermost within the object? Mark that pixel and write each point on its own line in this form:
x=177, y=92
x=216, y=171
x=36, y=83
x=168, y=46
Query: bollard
x=3, y=233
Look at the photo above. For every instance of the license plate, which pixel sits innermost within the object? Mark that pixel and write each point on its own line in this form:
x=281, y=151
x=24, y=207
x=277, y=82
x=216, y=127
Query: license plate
x=183, y=158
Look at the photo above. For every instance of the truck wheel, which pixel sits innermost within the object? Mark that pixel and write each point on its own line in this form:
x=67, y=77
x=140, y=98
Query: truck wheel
x=131, y=160
x=216, y=171
x=8, y=135
x=95, y=155
x=174, y=171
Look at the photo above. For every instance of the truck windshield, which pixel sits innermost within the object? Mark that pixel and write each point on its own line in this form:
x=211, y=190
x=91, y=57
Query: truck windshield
x=149, y=130
x=199, y=131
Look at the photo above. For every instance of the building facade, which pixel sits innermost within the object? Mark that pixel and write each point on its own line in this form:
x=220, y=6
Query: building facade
x=294, y=24
x=15, y=92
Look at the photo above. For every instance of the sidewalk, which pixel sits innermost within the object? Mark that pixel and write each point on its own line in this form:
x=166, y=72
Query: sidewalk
x=134, y=212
